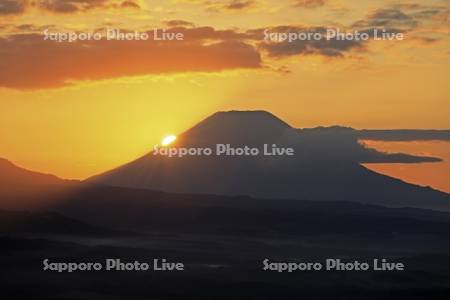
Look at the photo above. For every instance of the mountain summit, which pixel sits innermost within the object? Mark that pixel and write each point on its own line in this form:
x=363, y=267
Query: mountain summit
x=326, y=165
x=235, y=127
x=256, y=119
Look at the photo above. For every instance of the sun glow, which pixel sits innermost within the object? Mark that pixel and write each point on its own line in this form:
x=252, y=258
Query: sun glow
x=167, y=140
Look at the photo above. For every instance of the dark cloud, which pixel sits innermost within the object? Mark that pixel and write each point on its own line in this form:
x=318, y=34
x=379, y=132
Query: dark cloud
x=396, y=135
x=423, y=40
x=239, y=4
x=207, y=32
x=229, y=5
x=31, y=28
x=325, y=47
x=344, y=142
x=407, y=6
x=179, y=23
x=427, y=13
x=422, y=10
x=70, y=6
x=130, y=4
x=66, y=6
x=388, y=18
x=372, y=156
x=408, y=18
x=29, y=62
x=309, y=3
x=404, y=16
x=12, y=7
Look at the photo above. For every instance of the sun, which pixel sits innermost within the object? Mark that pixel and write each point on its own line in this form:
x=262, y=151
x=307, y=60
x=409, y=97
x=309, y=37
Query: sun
x=167, y=140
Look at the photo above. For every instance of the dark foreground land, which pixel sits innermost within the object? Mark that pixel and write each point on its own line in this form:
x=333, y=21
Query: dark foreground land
x=222, y=242
x=214, y=269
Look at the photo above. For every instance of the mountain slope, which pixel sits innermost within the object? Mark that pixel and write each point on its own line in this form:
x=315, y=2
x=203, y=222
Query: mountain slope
x=12, y=175
x=23, y=189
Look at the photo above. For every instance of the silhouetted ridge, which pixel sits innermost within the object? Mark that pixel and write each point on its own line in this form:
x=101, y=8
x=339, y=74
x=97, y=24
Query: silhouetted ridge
x=4, y=163
x=11, y=175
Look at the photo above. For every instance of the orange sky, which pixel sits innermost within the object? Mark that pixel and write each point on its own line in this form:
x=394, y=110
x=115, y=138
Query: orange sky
x=435, y=175
x=78, y=109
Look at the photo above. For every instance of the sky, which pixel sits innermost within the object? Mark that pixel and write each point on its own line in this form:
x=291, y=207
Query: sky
x=77, y=109
x=435, y=175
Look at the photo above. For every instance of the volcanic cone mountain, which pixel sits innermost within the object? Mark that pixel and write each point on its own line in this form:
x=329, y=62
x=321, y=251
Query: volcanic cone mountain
x=326, y=165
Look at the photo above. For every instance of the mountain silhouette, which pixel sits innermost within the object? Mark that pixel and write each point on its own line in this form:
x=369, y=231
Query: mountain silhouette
x=12, y=175
x=21, y=188
x=326, y=165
